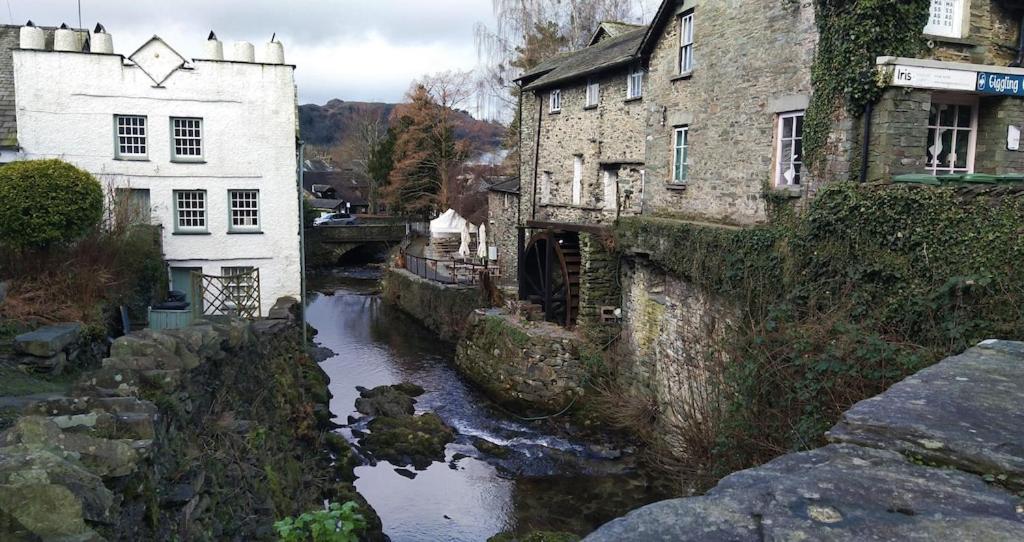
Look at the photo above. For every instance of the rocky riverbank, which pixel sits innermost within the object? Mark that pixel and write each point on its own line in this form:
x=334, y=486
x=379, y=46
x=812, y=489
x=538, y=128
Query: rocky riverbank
x=208, y=432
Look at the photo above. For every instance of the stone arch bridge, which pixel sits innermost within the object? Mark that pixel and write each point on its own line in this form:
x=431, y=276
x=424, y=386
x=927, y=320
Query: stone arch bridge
x=327, y=245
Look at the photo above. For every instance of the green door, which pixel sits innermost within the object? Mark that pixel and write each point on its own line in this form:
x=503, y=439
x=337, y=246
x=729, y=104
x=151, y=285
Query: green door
x=181, y=280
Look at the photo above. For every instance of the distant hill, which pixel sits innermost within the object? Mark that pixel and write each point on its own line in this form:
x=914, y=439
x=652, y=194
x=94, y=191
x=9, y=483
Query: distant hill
x=330, y=124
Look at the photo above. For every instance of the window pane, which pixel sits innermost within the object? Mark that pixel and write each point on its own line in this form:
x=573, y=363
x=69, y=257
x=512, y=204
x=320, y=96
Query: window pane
x=947, y=148
x=800, y=125
x=787, y=127
x=947, y=115
x=933, y=115
x=963, y=116
x=932, y=150
x=963, y=138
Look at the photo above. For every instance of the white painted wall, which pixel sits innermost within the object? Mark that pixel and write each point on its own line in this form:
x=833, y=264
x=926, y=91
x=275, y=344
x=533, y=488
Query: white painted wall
x=66, y=104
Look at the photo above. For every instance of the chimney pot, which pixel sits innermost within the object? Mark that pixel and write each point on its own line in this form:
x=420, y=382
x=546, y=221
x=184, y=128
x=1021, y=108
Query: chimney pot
x=273, y=53
x=65, y=39
x=243, y=51
x=32, y=37
x=102, y=42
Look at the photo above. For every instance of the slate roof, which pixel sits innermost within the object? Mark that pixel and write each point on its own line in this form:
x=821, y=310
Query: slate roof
x=608, y=53
x=510, y=186
x=611, y=29
x=332, y=204
x=346, y=186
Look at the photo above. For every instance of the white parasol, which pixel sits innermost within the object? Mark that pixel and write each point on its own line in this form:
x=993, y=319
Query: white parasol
x=481, y=242
x=464, y=247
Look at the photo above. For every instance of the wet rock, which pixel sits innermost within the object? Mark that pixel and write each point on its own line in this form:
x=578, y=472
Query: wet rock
x=321, y=354
x=839, y=492
x=487, y=447
x=536, y=536
x=408, y=440
x=46, y=342
x=387, y=401
x=408, y=388
x=285, y=308
x=967, y=412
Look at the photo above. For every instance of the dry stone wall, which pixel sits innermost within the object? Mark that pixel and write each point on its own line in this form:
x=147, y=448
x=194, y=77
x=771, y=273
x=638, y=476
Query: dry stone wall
x=442, y=308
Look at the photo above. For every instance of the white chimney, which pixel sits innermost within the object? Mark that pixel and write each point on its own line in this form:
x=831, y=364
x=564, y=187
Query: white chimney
x=65, y=39
x=32, y=37
x=243, y=51
x=273, y=53
x=101, y=41
x=214, y=48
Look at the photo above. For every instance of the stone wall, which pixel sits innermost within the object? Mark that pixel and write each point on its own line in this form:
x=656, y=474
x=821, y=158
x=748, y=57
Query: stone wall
x=939, y=456
x=899, y=137
x=442, y=308
x=990, y=38
x=607, y=137
x=751, y=63
x=208, y=432
x=599, y=281
x=502, y=232
x=671, y=332
x=530, y=366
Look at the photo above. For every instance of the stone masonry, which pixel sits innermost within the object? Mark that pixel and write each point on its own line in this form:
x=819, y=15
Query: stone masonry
x=937, y=457
x=751, y=63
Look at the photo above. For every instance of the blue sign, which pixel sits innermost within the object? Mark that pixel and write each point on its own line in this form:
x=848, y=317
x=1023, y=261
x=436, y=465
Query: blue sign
x=1001, y=83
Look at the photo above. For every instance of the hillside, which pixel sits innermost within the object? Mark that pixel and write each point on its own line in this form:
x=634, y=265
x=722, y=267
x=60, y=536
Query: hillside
x=331, y=124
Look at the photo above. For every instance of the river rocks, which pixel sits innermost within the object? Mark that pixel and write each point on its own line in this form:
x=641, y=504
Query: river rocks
x=408, y=440
x=965, y=412
x=537, y=536
x=385, y=401
x=487, y=447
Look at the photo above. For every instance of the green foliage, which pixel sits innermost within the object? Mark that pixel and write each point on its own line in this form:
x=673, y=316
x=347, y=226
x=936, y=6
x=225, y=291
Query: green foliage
x=47, y=202
x=339, y=523
x=871, y=284
x=852, y=35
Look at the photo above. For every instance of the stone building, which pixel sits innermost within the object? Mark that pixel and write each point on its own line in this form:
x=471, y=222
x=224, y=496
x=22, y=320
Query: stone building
x=502, y=228
x=205, y=147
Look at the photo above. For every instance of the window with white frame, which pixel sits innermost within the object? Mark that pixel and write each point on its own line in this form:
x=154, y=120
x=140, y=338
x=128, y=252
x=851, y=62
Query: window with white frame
x=577, y=180
x=952, y=135
x=789, y=156
x=187, y=134
x=946, y=18
x=593, y=93
x=681, y=155
x=190, y=210
x=131, y=136
x=635, y=83
x=245, y=210
x=686, y=43
x=555, y=101
x=611, y=182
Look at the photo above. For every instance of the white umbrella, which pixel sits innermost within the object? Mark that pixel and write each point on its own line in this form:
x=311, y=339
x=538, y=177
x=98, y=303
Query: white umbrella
x=481, y=242
x=464, y=247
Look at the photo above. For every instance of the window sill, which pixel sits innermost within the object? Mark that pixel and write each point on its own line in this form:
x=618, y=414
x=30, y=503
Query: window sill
x=589, y=107
x=630, y=100
x=130, y=159
x=947, y=39
x=184, y=161
x=230, y=232
x=191, y=233
x=682, y=76
x=571, y=206
x=792, y=192
x=676, y=186
x=555, y=112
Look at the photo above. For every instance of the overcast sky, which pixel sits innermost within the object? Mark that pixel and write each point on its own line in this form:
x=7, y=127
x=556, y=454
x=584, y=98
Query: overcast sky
x=358, y=50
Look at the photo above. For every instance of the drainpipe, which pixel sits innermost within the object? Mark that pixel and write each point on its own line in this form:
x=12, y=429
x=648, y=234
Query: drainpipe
x=302, y=244
x=536, y=156
x=1019, y=62
x=869, y=109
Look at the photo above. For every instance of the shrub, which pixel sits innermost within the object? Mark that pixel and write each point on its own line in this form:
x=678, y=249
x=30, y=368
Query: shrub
x=47, y=202
x=339, y=523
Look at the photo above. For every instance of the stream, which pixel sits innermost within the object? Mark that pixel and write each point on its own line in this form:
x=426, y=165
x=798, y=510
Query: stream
x=553, y=483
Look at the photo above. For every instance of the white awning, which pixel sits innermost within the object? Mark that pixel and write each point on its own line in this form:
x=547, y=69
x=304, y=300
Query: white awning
x=449, y=223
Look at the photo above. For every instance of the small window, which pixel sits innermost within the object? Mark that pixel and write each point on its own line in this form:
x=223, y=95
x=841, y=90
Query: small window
x=611, y=182
x=635, y=84
x=190, y=210
x=686, y=43
x=187, y=135
x=239, y=282
x=577, y=180
x=593, y=93
x=789, y=161
x=245, y=210
x=952, y=136
x=681, y=155
x=555, y=101
x=545, y=187
x=131, y=137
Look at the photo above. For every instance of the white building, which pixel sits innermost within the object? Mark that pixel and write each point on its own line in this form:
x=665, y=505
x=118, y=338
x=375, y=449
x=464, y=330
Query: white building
x=207, y=145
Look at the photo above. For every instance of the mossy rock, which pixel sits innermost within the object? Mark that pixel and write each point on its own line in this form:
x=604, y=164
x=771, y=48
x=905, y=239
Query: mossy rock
x=388, y=401
x=490, y=448
x=408, y=440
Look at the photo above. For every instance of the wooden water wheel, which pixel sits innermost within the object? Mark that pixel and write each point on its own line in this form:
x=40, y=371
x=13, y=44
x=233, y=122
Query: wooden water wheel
x=551, y=275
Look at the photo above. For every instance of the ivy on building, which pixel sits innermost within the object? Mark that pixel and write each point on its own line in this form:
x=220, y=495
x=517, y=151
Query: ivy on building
x=852, y=35
x=870, y=284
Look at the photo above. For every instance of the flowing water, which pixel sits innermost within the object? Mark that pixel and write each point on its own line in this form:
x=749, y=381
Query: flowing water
x=557, y=483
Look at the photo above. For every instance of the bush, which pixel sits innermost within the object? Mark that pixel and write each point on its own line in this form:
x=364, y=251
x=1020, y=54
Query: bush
x=47, y=202
x=339, y=523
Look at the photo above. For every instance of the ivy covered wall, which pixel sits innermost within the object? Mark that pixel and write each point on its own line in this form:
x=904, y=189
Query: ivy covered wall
x=870, y=284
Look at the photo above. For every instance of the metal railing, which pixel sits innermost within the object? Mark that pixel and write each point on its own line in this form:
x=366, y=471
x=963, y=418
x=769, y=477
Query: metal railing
x=445, y=271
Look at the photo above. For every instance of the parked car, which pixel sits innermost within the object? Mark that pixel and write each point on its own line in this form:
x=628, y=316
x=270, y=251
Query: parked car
x=335, y=219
